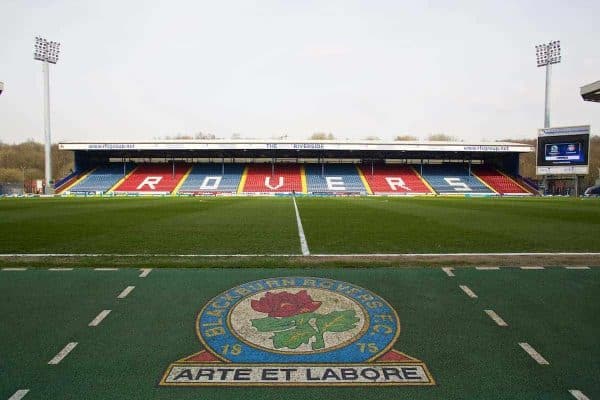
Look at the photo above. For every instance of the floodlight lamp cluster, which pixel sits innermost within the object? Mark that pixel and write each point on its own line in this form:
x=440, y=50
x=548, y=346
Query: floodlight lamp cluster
x=548, y=53
x=46, y=51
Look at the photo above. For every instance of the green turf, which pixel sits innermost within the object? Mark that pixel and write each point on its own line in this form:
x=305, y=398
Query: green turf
x=268, y=226
x=555, y=310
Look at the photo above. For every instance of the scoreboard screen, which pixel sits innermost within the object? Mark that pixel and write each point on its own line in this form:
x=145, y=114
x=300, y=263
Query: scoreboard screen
x=563, y=151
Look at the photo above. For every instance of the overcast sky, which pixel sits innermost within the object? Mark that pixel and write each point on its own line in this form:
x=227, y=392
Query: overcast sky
x=142, y=70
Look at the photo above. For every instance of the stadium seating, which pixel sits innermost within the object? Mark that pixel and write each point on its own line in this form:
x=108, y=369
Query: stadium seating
x=501, y=183
x=153, y=179
x=334, y=178
x=453, y=179
x=101, y=179
x=393, y=179
x=209, y=178
x=261, y=179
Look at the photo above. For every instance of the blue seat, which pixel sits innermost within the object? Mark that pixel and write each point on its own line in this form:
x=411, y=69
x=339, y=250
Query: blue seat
x=102, y=178
x=205, y=178
x=338, y=178
x=452, y=178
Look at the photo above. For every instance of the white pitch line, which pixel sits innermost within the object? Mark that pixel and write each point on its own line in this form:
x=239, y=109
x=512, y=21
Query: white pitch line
x=487, y=268
x=448, y=271
x=14, y=269
x=496, y=318
x=468, y=291
x=106, y=269
x=410, y=255
x=577, y=267
x=534, y=354
x=532, y=267
x=303, y=243
x=19, y=394
x=99, y=318
x=63, y=353
x=60, y=269
x=145, y=272
x=125, y=292
x=578, y=394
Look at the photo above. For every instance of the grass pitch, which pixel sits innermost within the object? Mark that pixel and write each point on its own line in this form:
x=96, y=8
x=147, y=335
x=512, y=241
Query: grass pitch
x=225, y=226
x=554, y=310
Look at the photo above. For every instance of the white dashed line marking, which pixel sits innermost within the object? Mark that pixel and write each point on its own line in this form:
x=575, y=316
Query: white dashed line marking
x=487, y=268
x=63, y=353
x=534, y=354
x=468, y=291
x=532, y=267
x=106, y=269
x=14, y=269
x=19, y=394
x=145, y=272
x=578, y=394
x=499, y=321
x=96, y=321
x=448, y=271
x=60, y=269
x=125, y=292
x=577, y=267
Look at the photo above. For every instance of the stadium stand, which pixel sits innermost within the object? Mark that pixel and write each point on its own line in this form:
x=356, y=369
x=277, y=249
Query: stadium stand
x=394, y=179
x=501, y=183
x=453, y=179
x=101, y=179
x=209, y=178
x=260, y=178
x=153, y=179
x=63, y=183
x=334, y=178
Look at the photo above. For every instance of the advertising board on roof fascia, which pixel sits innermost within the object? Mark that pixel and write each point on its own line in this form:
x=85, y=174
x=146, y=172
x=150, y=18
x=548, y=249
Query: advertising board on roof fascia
x=458, y=147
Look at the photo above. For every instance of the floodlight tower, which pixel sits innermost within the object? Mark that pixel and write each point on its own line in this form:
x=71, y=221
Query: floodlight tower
x=46, y=52
x=547, y=54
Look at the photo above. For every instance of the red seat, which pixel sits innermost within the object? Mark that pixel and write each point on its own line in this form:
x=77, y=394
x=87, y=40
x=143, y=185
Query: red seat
x=153, y=178
x=261, y=179
x=499, y=182
x=394, y=179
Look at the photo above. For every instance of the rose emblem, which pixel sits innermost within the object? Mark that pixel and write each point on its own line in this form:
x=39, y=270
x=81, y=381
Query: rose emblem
x=285, y=304
x=294, y=320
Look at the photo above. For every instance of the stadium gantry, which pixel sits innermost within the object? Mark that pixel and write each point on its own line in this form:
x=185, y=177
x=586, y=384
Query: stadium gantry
x=219, y=167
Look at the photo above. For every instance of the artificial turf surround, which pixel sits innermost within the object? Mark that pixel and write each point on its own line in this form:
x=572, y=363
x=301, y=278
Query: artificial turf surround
x=469, y=356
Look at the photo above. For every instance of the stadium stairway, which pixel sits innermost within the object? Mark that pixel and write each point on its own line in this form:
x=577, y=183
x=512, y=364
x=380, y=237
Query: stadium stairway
x=260, y=178
x=153, y=179
x=100, y=179
x=210, y=178
x=454, y=179
x=335, y=178
x=394, y=179
x=500, y=182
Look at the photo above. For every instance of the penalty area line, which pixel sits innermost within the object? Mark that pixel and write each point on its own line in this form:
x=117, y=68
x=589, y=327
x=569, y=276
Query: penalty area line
x=303, y=243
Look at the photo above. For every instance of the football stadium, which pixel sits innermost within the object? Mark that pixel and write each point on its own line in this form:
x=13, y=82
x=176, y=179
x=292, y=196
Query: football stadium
x=276, y=267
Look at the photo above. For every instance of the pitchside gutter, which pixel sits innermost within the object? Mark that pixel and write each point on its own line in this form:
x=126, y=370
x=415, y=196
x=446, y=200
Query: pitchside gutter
x=383, y=255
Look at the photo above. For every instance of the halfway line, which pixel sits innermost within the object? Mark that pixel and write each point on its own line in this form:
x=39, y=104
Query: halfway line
x=303, y=243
